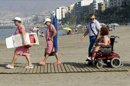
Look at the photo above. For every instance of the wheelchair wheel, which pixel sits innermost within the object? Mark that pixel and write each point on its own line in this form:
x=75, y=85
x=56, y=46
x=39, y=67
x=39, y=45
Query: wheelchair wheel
x=99, y=64
x=116, y=62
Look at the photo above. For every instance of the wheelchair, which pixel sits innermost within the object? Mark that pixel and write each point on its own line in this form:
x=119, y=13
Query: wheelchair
x=107, y=56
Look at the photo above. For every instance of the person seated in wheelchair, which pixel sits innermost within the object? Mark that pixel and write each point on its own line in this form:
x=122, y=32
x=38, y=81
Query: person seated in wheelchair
x=102, y=43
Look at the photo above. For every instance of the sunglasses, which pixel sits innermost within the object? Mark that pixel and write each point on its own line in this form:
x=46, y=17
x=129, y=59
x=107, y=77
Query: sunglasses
x=92, y=19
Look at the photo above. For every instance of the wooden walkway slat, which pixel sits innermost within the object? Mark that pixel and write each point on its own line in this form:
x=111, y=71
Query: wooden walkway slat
x=69, y=67
x=63, y=68
x=42, y=69
x=80, y=65
x=27, y=70
x=84, y=66
x=38, y=69
x=77, y=67
x=49, y=68
x=18, y=68
x=55, y=67
x=31, y=70
x=52, y=68
x=35, y=69
x=59, y=68
x=66, y=68
x=74, y=69
x=46, y=69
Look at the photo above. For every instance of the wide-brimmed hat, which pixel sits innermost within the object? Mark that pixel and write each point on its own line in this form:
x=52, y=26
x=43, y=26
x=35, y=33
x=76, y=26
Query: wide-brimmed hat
x=47, y=20
x=17, y=19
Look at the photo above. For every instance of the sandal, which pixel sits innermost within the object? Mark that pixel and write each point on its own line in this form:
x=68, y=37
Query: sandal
x=41, y=63
x=29, y=67
x=57, y=63
x=9, y=66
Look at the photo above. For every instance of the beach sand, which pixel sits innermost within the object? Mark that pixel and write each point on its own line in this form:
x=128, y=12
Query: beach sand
x=71, y=49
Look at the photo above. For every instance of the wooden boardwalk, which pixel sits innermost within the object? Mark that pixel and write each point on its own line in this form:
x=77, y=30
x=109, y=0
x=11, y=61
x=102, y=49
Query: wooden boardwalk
x=50, y=68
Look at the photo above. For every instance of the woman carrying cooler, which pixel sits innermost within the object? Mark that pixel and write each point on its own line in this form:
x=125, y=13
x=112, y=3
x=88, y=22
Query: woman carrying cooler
x=20, y=51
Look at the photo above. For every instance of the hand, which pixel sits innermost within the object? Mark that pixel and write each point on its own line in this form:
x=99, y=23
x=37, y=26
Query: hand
x=99, y=44
x=96, y=44
x=82, y=38
x=31, y=44
x=50, y=39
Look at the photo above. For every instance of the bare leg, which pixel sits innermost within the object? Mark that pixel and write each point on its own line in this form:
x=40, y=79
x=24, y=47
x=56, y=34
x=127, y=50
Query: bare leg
x=11, y=66
x=28, y=60
x=57, y=58
x=14, y=59
x=42, y=62
x=96, y=49
x=46, y=57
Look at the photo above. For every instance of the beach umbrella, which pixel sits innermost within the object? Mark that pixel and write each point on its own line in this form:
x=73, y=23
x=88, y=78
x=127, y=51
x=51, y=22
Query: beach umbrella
x=114, y=24
x=55, y=39
x=67, y=28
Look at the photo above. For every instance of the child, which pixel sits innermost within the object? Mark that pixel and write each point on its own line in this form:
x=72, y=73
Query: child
x=50, y=33
x=20, y=51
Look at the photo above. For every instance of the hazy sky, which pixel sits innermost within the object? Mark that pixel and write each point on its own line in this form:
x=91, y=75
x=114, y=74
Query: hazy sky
x=28, y=7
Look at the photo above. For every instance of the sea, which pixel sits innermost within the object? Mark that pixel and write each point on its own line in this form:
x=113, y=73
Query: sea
x=4, y=33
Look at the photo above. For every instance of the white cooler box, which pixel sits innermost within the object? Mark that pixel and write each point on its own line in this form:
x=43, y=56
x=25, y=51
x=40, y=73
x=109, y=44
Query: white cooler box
x=17, y=40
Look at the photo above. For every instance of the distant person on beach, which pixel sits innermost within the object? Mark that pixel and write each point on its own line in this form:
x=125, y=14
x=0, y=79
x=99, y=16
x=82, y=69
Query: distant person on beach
x=69, y=32
x=20, y=51
x=37, y=30
x=50, y=34
x=93, y=29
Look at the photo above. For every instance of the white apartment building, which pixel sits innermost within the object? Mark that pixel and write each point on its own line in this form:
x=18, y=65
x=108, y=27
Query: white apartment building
x=86, y=2
x=70, y=8
x=95, y=4
x=61, y=11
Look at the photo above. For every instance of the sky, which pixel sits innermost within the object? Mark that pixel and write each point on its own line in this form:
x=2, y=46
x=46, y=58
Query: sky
x=29, y=7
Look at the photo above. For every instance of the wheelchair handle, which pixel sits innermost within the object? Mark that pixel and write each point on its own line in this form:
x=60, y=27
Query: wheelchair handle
x=114, y=36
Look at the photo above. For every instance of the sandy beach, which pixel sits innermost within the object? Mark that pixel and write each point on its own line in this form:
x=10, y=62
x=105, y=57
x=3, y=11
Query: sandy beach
x=71, y=49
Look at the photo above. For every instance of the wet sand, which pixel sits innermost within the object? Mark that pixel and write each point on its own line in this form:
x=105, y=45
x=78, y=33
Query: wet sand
x=71, y=49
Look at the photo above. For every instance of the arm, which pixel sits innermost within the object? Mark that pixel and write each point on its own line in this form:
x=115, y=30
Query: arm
x=86, y=33
x=53, y=33
x=23, y=33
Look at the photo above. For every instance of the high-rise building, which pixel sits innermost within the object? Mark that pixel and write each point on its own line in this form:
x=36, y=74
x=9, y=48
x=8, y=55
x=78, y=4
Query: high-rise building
x=61, y=11
x=115, y=3
x=101, y=6
x=106, y=3
x=70, y=8
x=86, y=2
x=95, y=4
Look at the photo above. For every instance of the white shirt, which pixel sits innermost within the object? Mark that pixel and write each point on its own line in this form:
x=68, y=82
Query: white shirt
x=95, y=27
